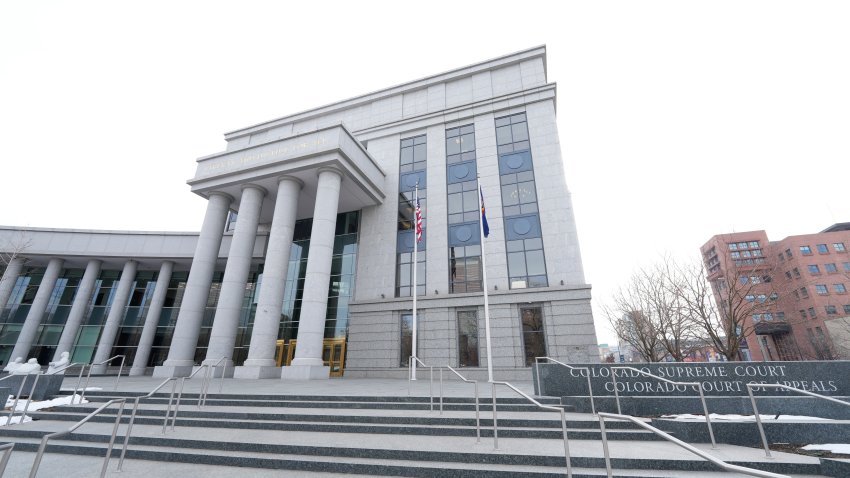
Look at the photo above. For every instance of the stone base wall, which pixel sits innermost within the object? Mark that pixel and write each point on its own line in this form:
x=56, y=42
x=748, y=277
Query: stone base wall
x=374, y=336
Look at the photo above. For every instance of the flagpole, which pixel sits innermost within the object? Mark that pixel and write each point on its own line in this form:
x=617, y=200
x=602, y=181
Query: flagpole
x=415, y=287
x=484, y=284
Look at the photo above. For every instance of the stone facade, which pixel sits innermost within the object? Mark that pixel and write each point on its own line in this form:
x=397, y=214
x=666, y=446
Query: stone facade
x=347, y=157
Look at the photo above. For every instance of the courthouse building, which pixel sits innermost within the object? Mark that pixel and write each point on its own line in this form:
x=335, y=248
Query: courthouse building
x=304, y=265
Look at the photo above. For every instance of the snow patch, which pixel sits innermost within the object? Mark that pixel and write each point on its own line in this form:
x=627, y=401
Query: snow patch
x=745, y=418
x=839, y=448
x=38, y=405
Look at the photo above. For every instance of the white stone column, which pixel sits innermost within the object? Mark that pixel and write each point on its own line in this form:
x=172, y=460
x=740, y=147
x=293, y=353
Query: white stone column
x=229, y=308
x=36, y=313
x=261, y=354
x=143, y=349
x=10, y=277
x=79, y=307
x=115, y=317
x=308, y=363
x=181, y=355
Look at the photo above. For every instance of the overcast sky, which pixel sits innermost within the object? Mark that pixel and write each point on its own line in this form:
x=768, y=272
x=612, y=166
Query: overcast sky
x=678, y=120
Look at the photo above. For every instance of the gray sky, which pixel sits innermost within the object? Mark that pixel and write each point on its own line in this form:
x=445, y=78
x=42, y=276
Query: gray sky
x=678, y=120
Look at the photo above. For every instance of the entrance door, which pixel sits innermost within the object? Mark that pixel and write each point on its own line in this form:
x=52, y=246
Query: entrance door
x=333, y=354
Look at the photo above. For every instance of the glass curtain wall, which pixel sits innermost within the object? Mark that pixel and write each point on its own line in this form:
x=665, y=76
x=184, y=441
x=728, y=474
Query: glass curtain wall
x=341, y=287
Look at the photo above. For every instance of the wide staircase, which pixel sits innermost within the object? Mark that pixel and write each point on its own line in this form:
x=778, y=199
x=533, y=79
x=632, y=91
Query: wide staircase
x=370, y=435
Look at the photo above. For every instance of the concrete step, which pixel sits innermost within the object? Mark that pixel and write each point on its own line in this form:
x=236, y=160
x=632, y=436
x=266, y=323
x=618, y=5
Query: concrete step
x=395, y=455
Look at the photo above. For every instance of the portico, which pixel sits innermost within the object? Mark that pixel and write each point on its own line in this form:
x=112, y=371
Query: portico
x=315, y=174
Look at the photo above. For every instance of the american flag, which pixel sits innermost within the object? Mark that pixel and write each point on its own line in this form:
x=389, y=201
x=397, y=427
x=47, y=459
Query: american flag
x=418, y=221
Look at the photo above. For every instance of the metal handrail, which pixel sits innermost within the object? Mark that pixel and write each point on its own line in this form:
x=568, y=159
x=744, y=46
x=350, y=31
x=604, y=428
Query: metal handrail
x=696, y=385
x=545, y=407
x=18, y=396
x=117, y=377
x=477, y=413
x=410, y=377
x=202, y=396
x=586, y=369
x=133, y=415
x=7, y=453
x=752, y=385
x=686, y=446
x=79, y=378
x=80, y=423
x=202, y=400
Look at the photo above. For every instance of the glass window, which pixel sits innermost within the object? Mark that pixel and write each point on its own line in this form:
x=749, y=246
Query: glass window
x=831, y=310
x=788, y=253
x=806, y=250
x=838, y=246
x=846, y=266
x=467, y=338
x=533, y=336
x=814, y=269
x=830, y=268
x=804, y=292
x=822, y=249
x=821, y=289
x=847, y=308
x=839, y=288
x=812, y=313
x=754, y=244
x=404, y=274
x=465, y=269
x=796, y=273
x=733, y=246
x=803, y=313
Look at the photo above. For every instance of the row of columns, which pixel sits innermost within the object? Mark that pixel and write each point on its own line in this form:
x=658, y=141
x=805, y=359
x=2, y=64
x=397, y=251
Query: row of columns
x=307, y=364
x=80, y=306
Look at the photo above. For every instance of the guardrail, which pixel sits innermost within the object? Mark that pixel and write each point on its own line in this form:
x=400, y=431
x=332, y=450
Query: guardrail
x=586, y=370
x=690, y=448
x=43, y=446
x=133, y=416
x=477, y=413
x=545, y=407
x=751, y=386
x=410, y=377
x=7, y=453
x=696, y=385
x=117, y=377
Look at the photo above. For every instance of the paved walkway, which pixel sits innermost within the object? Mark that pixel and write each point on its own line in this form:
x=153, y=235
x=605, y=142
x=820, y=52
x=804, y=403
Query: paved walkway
x=332, y=387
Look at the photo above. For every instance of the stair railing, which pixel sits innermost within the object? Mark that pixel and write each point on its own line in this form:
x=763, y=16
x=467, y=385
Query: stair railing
x=18, y=397
x=586, y=371
x=7, y=453
x=208, y=378
x=752, y=385
x=79, y=378
x=202, y=397
x=686, y=446
x=540, y=405
x=696, y=385
x=46, y=438
x=477, y=414
x=133, y=415
x=117, y=377
x=410, y=377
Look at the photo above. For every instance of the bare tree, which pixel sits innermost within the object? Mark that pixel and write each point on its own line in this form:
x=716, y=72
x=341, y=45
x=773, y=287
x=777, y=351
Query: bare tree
x=632, y=318
x=723, y=304
x=13, y=248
